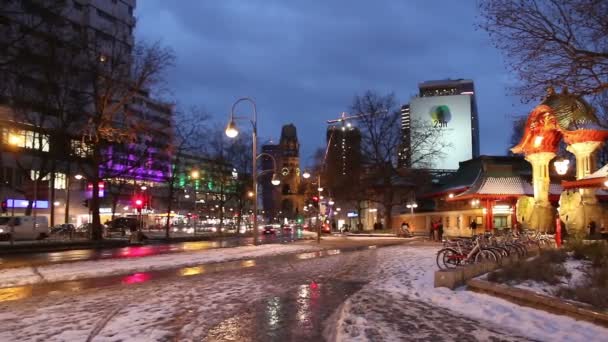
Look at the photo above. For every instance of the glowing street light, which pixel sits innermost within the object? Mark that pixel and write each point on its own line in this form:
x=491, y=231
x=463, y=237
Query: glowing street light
x=331, y=202
x=143, y=188
x=231, y=131
x=78, y=176
x=306, y=175
x=187, y=196
x=275, y=180
x=320, y=189
x=250, y=194
x=194, y=174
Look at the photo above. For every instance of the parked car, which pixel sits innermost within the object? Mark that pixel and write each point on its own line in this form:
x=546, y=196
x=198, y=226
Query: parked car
x=125, y=224
x=63, y=229
x=24, y=227
x=268, y=230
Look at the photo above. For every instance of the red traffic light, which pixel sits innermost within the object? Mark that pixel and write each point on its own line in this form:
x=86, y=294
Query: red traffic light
x=138, y=202
x=315, y=198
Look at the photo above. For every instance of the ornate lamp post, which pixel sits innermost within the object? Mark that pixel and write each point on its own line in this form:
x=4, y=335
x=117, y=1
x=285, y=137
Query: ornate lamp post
x=232, y=132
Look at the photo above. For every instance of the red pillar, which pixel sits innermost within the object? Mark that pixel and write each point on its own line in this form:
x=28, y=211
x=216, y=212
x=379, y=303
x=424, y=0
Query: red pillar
x=489, y=216
x=514, y=214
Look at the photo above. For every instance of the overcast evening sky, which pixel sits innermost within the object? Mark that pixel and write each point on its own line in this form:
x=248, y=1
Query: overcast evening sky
x=303, y=61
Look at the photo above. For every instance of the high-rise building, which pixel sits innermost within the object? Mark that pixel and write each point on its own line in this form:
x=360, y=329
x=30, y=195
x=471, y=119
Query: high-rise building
x=451, y=106
x=285, y=200
x=405, y=155
x=79, y=31
x=343, y=164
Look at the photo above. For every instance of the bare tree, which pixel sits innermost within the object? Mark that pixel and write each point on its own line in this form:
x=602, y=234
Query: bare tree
x=189, y=127
x=115, y=75
x=379, y=123
x=551, y=42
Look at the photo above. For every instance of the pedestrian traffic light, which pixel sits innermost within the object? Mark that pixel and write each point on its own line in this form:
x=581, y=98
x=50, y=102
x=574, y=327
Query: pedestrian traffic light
x=315, y=201
x=4, y=206
x=138, y=203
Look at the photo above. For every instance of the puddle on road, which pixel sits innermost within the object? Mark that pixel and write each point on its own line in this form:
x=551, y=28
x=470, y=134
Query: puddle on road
x=22, y=292
x=296, y=316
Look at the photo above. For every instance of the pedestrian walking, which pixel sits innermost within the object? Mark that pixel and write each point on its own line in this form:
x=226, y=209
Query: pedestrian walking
x=440, y=232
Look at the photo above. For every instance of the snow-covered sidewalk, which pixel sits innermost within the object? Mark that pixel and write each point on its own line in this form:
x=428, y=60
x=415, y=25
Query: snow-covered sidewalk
x=402, y=294
x=99, y=268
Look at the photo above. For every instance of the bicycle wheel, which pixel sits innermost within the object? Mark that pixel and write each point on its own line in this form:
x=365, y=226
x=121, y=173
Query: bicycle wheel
x=448, y=258
x=486, y=255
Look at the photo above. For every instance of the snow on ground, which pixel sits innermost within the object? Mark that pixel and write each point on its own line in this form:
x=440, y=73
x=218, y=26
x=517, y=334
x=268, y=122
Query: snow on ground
x=576, y=270
x=99, y=268
x=404, y=281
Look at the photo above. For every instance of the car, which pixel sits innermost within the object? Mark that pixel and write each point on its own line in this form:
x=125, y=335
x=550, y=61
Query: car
x=287, y=228
x=269, y=230
x=121, y=224
x=63, y=229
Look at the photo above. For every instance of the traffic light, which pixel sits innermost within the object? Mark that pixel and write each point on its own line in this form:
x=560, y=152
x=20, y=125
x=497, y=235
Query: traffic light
x=4, y=206
x=138, y=203
x=85, y=203
x=315, y=201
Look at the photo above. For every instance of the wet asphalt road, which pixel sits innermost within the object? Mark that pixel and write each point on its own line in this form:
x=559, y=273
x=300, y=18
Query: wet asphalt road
x=47, y=258
x=275, y=299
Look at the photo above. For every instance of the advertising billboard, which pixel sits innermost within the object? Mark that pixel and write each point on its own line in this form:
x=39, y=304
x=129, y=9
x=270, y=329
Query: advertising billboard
x=451, y=115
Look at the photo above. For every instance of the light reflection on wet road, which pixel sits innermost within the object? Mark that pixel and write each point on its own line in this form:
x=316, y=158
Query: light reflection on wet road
x=38, y=259
x=21, y=292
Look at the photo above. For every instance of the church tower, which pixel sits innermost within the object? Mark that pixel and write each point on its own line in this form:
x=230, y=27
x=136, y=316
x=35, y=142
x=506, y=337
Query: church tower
x=285, y=200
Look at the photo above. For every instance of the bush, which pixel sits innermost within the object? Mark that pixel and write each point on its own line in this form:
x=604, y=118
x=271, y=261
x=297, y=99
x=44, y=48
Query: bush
x=596, y=252
x=593, y=291
x=547, y=268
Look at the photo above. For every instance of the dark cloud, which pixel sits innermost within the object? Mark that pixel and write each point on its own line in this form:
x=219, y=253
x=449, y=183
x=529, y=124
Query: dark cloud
x=304, y=60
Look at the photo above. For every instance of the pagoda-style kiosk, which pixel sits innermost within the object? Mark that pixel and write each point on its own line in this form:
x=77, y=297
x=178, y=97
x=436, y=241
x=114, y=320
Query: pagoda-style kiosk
x=571, y=118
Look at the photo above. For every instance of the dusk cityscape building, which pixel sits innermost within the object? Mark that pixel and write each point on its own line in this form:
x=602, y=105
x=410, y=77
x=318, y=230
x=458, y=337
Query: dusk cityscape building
x=457, y=98
x=343, y=165
x=286, y=200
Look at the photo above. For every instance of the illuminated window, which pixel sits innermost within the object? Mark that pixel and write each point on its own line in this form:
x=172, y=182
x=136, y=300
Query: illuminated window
x=81, y=149
x=26, y=139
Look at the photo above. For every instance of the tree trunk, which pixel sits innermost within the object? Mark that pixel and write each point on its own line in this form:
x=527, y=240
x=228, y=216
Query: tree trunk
x=169, y=208
x=388, y=219
x=52, y=195
x=96, y=230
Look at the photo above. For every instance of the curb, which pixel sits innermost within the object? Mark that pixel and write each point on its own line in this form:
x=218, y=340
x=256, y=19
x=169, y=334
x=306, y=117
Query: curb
x=538, y=301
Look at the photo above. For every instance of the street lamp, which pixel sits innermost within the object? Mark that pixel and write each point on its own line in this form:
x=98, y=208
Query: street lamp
x=306, y=175
x=275, y=180
x=331, y=202
x=78, y=176
x=232, y=132
x=411, y=207
x=194, y=174
x=143, y=188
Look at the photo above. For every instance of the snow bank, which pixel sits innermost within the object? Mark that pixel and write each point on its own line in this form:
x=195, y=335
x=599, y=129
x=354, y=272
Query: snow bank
x=99, y=268
x=406, y=273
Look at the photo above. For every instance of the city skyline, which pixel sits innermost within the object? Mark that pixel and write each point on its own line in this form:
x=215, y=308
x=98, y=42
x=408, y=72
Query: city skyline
x=307, y=76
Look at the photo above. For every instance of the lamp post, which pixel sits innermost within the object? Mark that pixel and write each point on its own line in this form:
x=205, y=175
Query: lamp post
x=411, y=207
x=232, y=132
x=319, y=225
